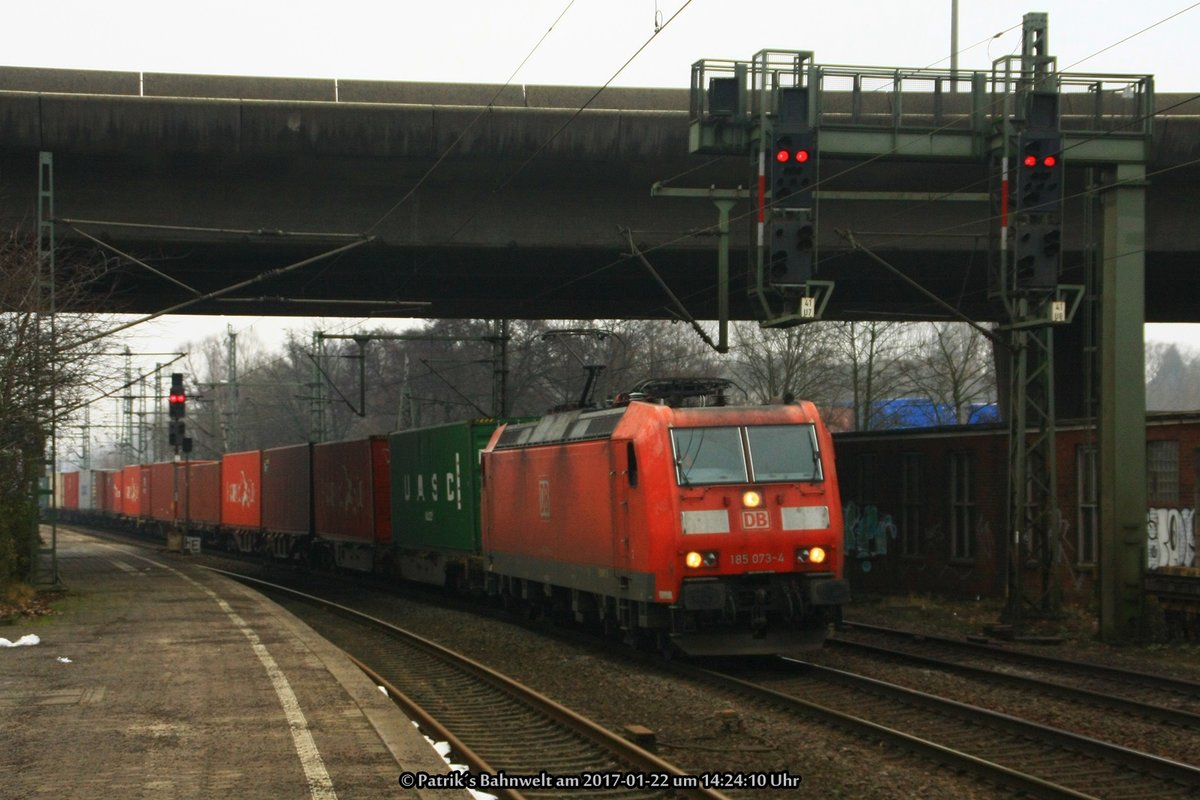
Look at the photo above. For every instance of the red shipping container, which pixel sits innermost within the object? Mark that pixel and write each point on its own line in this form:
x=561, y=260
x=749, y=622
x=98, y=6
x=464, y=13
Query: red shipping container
x=287, y=489
x=201, y=504
x=241, y=495
x=131, y=490
x=144, y=495
x=109, y=492
x=162, y=491
x=351, y=491
x=70, y=495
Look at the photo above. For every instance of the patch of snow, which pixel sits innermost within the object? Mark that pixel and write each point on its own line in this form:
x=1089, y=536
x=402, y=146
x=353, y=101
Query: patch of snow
x=28, y=640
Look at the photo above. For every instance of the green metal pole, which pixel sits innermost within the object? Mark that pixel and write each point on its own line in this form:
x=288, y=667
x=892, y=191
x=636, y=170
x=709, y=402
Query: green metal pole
x=1122, y=424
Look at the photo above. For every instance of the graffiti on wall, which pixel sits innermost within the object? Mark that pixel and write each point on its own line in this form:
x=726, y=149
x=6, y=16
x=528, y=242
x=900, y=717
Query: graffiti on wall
x=1171, y=537
x=867, y=531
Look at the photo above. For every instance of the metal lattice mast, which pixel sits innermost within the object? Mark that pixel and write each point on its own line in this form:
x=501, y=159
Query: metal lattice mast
x=317, y=397
x=233, y=431
x=499, y=339
x=127, y=412
x=44, y=561
x=1029, y=274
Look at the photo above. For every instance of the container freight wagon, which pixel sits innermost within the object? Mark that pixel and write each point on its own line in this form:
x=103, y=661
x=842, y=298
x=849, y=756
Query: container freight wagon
x=435, y=502
x=200, y=499
x=163, y=487
x=87, y=491
x=287, y=498
x=352, y=503
x=131, y=492
x=708, y=530
x=68, y=491
x=110, y=492
x=241, y=500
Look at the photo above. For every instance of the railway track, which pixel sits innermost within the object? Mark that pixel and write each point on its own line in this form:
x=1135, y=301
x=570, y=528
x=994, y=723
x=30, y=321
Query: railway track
x=1019, y=760
x=1158, y=698
x=493, y=724
x=1022, y=756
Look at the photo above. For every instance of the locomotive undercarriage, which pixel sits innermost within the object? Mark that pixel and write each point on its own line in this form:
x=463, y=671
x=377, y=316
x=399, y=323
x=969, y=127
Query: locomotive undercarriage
x=755, y=613
x=739, y=615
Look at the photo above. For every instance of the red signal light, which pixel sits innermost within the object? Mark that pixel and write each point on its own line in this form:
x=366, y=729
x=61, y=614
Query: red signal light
x=177, y=398
x=782, y=156
x=1049, y=161
x=1030, y=161
x=801, y=156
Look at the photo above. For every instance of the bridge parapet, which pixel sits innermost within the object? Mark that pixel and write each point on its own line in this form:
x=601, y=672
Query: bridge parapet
x=956, y=114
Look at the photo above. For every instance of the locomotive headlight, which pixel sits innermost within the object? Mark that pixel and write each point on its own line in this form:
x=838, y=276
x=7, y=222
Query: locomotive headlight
x=751, y=499
x=811, y=555
x=696, y=559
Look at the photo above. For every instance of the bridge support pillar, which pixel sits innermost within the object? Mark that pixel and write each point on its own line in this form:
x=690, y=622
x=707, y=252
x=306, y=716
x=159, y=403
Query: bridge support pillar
x=1122, y=423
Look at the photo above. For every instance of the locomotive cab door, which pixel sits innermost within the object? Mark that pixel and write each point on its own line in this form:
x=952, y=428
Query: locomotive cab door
x=624, y=479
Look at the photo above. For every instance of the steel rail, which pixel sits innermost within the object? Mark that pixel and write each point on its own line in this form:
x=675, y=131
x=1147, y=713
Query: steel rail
x=1151, y=711
x=428, y=723
x=619, y=748
x=988, y=771
x=1184, y=687
x=1183, y=774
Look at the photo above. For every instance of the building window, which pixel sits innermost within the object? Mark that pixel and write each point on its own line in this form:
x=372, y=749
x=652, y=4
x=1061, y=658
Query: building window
x=1089, y=504
x=865, y=483
x=910, y=504
x=1162, y=473
x=1195, y=479
x=962, y=505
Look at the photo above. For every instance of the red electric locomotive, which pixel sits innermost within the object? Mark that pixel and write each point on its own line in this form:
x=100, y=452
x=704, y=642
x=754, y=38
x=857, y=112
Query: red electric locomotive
x=715, y=530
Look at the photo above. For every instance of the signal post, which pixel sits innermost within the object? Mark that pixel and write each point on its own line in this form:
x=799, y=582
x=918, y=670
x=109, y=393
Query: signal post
x=1022, y=119
x=181, y=444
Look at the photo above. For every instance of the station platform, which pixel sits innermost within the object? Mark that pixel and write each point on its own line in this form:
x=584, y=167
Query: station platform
x=162, y=680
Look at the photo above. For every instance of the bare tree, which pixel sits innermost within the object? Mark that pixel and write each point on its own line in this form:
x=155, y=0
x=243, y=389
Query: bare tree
x=48, y=363
x=952, y=366
x=1172, y=378
x=871, y=354
x=777, y=364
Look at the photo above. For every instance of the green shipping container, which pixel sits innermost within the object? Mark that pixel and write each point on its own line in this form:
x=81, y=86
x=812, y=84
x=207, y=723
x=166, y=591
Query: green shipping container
x=435, y=486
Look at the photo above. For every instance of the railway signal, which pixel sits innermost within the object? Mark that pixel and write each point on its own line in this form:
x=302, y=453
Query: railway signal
x=792, y=247
x=1039, y=173
x=177, y=400
x=793, y=167
x=1037, y=255
x=177, y=407
x=792, y=221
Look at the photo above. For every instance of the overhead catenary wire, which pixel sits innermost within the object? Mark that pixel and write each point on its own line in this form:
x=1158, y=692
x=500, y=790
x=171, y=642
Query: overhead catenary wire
x=908, y=210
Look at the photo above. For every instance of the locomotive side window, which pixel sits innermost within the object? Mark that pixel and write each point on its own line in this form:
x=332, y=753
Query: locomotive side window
x=709, y=455
x=784, y=453
x=631, y=458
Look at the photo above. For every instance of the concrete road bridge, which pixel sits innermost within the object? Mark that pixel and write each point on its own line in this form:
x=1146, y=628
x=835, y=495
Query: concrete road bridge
x=489, y=201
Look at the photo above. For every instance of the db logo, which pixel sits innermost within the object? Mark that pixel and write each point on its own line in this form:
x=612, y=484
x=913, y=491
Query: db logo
x=756, y=518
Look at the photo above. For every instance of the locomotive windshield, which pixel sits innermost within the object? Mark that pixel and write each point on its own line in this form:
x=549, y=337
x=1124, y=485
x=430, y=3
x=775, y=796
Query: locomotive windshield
x=718, y=455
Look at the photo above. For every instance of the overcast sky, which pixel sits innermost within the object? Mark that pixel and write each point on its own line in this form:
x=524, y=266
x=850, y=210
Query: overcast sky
x=485, y=42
